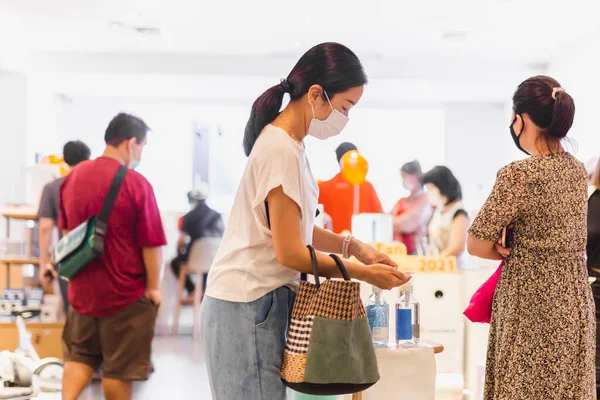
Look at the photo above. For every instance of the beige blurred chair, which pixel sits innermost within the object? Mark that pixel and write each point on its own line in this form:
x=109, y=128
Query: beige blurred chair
x=200, y=259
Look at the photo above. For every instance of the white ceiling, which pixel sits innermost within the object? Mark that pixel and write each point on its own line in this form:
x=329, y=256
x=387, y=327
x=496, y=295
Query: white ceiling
x=524, y=31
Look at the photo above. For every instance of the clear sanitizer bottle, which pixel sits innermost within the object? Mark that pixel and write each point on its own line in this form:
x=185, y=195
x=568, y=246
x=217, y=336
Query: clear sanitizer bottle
x=378, y=313
x=408, y=315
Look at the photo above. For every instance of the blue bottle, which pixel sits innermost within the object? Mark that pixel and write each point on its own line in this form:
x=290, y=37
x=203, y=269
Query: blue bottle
x=408, y=317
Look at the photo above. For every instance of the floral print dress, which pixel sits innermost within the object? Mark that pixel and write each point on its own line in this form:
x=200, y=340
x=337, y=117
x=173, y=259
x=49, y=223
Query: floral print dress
x=542, y=333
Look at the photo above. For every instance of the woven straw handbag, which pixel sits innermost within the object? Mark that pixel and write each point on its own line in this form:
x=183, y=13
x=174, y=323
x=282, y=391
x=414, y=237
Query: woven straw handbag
x=329, y=349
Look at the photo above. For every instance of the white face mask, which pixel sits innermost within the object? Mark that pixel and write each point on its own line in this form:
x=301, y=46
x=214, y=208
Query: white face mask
x=435, y=198
x=409, y=185
x=332, y=126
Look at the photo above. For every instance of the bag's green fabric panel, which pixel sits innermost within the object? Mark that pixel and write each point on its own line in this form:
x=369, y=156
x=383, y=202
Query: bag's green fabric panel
x=341, y=352
x=73, y=240
x=81, y=256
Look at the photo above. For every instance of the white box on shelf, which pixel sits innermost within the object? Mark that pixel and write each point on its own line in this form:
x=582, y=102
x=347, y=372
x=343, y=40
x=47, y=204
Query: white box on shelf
x=5, y=307
x=49, y=313
x=16, y=304
x=371, y=228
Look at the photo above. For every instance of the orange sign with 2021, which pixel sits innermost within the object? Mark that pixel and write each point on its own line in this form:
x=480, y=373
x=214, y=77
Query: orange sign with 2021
x=417, y=264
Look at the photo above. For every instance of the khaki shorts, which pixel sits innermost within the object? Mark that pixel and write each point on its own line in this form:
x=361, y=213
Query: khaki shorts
x=120, y=343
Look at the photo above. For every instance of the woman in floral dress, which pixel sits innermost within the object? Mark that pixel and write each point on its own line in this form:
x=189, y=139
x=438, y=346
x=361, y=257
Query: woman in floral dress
x=542, y=334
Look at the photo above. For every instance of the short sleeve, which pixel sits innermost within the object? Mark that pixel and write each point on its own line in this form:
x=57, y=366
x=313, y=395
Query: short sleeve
x=48, y=207
x=62, y=216
x=280, y=168
x=502, y=206
x=149, y=229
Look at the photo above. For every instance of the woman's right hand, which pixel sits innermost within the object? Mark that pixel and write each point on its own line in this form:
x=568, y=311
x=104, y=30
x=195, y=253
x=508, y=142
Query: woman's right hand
x=384, y=277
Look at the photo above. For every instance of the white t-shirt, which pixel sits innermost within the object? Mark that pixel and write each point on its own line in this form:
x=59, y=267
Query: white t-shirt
x=246, y=267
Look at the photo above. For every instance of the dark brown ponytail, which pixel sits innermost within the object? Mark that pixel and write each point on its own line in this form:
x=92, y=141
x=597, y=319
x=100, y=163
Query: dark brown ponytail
x=264, y=110
x=562, y=115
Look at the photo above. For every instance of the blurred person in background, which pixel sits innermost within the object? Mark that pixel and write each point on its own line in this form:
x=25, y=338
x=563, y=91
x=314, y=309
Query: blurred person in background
x=201, y=222
x=543, y=326
x=590, y=167
x=337, y=196
x=593, y=255
x=411, y=213
x=74, y=152
x=114, y=300
x=450, y=222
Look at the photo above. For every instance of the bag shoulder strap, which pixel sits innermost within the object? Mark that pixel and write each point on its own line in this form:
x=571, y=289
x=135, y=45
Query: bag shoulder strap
x=109, y=200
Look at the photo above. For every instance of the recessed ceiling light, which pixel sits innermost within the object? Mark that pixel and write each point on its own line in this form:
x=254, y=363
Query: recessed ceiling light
x=138, y=28
x=456, y=35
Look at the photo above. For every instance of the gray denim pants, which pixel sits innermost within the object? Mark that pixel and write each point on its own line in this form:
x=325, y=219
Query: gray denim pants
x=244, y=344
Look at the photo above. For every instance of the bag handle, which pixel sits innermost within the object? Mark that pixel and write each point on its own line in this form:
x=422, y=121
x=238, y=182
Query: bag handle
x=341, y=266
x=315, y=266
x=107, y=205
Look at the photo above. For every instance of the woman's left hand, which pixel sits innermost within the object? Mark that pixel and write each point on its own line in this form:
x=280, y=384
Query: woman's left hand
x=368, y=255
x=503, y=251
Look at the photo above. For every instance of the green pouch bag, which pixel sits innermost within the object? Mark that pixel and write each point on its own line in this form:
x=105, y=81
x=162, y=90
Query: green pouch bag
x=85, y=243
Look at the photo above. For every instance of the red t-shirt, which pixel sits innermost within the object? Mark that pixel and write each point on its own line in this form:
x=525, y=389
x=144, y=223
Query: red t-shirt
x=337, y=197
x=117, y=278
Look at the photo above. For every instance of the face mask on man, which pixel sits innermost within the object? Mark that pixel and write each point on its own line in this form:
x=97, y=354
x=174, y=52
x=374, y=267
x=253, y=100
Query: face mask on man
x=133, y=163
x=330, y=127
x=517, y=139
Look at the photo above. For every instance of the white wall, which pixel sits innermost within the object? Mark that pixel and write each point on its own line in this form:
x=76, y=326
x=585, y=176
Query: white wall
x=398, y=120
x=388, y=129
x=577, y=72
x=478, y=144
x=13, y=136
x=472, y=139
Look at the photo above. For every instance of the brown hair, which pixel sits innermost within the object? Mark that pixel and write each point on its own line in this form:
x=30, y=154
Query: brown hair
x=596, y=176
x=552, y=111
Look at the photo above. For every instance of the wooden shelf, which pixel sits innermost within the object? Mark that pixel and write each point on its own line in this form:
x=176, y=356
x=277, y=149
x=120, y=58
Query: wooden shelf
x=20, y=215
x=23, y=212
x=437, y=347
x=18, y=260
x=46, y=337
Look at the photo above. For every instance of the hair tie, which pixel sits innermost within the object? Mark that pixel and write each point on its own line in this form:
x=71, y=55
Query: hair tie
x=556, y=90
x=285, y=85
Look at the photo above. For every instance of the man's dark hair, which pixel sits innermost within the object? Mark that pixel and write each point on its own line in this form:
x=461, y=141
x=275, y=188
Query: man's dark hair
x=445, y=181
x=75, y=152
x=124, y=127
x=343, y=149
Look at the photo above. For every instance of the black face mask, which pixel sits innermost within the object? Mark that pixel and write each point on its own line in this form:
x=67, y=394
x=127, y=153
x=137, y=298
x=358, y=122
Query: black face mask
x=517, y=139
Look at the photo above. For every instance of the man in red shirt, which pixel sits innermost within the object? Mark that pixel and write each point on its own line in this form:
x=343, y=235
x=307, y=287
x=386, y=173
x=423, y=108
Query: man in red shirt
x=115, y=299
x=337, y=196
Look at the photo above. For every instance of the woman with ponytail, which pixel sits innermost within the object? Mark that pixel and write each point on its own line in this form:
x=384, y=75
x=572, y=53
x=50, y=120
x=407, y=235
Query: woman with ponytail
x=252, y=282
x=541, y=343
